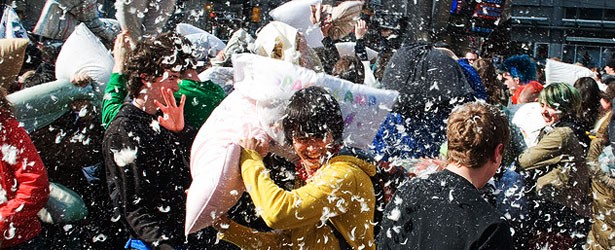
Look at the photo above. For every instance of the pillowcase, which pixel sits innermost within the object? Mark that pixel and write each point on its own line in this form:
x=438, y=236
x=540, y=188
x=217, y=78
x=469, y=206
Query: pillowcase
x=83, y=52
x=272, y=82
x=214, y=161
x=143, y=17
x=12, y=51
x=40, y=105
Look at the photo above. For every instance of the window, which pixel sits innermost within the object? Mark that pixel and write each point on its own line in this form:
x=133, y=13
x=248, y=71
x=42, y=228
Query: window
x=590, y=14
x=571, y=13
x=609, y=15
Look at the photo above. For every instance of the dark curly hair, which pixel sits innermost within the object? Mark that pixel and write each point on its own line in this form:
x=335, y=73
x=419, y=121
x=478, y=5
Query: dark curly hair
x=313, y=111
x=474, y=131
x=154, y=55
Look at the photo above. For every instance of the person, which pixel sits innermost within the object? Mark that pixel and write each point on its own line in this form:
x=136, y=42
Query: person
x=556, y=174
x=24, y=186
x=602, y=179
x=590, y=101
x=471, y=56
x=334, y=206
x=445, y=210
x=146, y=146
x=609, y=69
x=203, y=97
x=349, y=68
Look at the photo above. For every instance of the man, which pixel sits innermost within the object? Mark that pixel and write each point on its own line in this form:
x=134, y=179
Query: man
x=445, y=210
x=146, y=146
x=609, y=68
x=471, y=56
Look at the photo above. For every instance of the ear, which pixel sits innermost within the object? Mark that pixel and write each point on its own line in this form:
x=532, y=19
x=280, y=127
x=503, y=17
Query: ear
x=498, y=154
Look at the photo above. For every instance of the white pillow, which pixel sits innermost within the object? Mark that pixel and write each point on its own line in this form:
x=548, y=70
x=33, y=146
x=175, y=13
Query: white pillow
x=529, y=119
x=188, y=29
x=565, y=72
x=347, y=49
x=40, y=105
x=55, y=22
x=214, y=161
x=143, y=17
x=223, y=76
x=82, y=51
x=297, y=14
x=272, y=82
x=10, y=25
x=205, y=44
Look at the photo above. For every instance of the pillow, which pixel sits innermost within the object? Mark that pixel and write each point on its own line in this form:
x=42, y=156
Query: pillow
x=344, y=18
x=10, y=25
x=565, y=72
x=143, y=17
x=347, y=49
x=188, y=29
x=205, y=44
x=277, y=40
x=223, y=76
x=82, y=51
x=12, y=51
x=214, y=161
x=529, y=120
x=55, y=23
x=64, y=206
x=39, y=106
x=297, y=14
x=272, y=82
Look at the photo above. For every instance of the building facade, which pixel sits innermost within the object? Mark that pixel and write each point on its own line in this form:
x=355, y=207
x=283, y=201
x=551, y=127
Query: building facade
x=577, y=31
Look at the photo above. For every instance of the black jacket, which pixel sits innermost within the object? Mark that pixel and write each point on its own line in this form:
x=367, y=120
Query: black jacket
x=443, y=211
x=147, y=174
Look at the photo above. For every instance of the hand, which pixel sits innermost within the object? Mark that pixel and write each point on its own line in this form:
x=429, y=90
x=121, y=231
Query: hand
x=121, y=47
x=81, y=79
x=360, y=29
x=260, y=146
x=173, y=115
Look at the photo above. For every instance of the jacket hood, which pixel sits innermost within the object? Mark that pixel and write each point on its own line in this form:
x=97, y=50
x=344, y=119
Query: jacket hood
x=132, y=112
x=358, y=157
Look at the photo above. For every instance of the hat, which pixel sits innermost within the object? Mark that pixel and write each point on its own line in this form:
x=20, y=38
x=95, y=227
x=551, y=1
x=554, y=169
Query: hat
x=611, y=64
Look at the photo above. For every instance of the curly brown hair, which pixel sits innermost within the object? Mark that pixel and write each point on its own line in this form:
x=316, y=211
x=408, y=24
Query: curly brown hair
x=152, y=56
x=474, y=131
x=488, y=75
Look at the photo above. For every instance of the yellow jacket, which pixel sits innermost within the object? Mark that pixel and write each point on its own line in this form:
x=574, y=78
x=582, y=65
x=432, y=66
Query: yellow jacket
x=340, y=191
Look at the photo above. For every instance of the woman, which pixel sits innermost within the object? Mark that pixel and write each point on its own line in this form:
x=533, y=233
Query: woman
x=24, y=184
x=590, y=101
x=333, y=208
x=557, y=176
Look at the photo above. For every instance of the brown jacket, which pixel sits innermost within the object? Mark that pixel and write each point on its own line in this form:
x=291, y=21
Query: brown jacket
x=558, y=166
x=602, y=234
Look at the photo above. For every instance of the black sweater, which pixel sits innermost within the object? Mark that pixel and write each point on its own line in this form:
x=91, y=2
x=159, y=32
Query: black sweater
x=147, y=175
x=442, y=211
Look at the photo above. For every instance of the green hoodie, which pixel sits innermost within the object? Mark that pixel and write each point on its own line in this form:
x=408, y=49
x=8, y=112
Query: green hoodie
x=201, y=99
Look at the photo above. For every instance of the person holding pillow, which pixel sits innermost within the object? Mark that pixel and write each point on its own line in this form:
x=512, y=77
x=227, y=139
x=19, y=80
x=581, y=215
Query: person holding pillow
x=146, y=146
x=332, y=208
x=24, y=186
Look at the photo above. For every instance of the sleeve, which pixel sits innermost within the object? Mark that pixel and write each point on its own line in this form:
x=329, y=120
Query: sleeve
x=247, y=238
x=330, y=55
x=31, y=176
x=115, y=93
x=496, y=236
x=360, y=51
x=546, y=152
x=130, y=189
x=281, y=209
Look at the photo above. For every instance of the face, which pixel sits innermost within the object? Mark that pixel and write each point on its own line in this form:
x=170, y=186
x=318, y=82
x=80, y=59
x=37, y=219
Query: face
x=312, y=150
x=168, y=80
x=608, y=69
x=511, y=83
x=550, y=114
x=471, y=57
